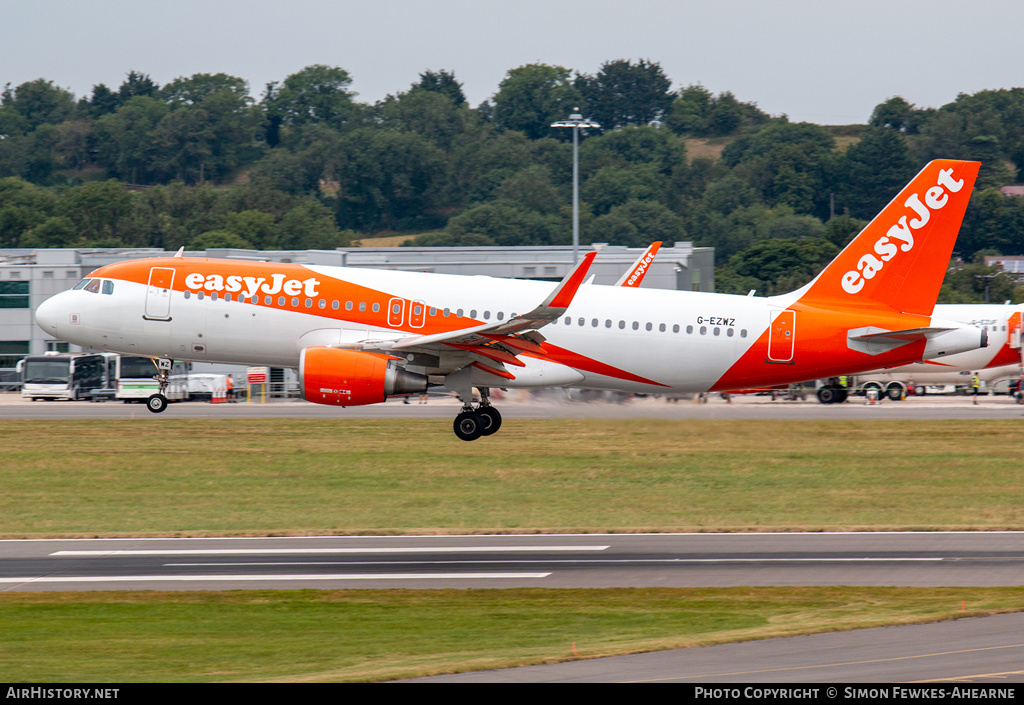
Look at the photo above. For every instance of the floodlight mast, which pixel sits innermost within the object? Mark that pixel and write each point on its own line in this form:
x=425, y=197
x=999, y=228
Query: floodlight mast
x=576, y=122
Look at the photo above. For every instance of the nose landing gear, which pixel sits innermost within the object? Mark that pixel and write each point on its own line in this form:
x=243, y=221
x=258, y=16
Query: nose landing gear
x=158, y=402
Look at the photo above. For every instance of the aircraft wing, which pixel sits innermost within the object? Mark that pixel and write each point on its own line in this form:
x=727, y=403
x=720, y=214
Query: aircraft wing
x=499, y=342
x=551, y=308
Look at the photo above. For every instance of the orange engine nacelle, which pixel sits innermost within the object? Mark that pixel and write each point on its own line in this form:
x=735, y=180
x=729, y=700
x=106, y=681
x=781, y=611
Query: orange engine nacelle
x=353, y=378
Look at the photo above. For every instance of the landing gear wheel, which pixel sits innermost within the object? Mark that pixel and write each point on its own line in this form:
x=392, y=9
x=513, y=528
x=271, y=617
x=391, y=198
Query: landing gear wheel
x=490, y=418
x=894, y=393
x=156, y=403
x=469, y=425
x=826, y=395
x=841, y=395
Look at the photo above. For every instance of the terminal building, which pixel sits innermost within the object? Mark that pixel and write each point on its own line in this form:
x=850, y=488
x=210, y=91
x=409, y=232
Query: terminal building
x=29, y=277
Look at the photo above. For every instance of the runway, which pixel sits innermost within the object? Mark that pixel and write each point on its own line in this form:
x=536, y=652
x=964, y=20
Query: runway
x=552, y=404
x=916, y=559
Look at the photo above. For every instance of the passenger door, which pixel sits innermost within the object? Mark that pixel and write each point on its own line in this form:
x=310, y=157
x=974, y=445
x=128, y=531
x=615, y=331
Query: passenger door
x=158, y=294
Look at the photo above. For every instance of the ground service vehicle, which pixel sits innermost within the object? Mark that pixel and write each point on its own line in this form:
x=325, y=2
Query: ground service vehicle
x=358, y=336
x=65, y=376
x=1000, y=359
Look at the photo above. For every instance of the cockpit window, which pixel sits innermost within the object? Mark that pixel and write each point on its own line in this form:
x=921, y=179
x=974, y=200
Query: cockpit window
x=93, y=286
x=108, y=286
x=81, y=284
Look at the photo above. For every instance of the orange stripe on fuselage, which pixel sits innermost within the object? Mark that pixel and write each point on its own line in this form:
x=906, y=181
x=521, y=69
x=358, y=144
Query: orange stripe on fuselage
x=587, y=364
x=1005, y=356
x=216, y=272
x=821, y=348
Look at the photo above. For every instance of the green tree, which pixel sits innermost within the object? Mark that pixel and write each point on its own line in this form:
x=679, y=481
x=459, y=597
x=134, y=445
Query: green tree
x=842, y=229
x=199, y=87
x=124, y=139
x=136, y=84
x=310, y=224
x=531, y=188
x=697, y=112
x=777, y=266
x=649, y=221
x=532, y=97
x=388, y=180
x=101, y=212
x=23, y=206
x=442, y=82
x=56, y=231
x=254, y=226
x=896, y=114
x=102, y=101
x=634, y=145
x=39, y=102
x=220, y=239
x=626, y=93
x=209, y=132
x=691, y=111
x=992, y=221
x=967, y=285
x=613, y=186
x=430, y=114
x=478, y=166
x=499, y=224
x=788, y=163
x=872, y=171
x=316, y=94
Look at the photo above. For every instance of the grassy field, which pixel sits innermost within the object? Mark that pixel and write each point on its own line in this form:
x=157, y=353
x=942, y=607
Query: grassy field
x=368, y=635
x=167, y=477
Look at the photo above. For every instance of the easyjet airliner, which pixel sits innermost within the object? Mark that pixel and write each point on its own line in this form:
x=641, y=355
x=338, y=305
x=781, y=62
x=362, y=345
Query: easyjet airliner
x=358, y=336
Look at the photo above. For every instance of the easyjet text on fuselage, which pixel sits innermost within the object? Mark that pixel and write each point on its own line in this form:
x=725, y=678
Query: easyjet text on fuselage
x=252, y=286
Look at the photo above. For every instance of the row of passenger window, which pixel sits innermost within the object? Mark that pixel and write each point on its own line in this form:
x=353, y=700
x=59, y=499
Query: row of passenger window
x=662, y=327
x=297, y=302
x=459, y=313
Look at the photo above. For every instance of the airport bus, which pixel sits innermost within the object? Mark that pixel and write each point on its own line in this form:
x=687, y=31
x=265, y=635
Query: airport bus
x=133, y=378
x=62, y=376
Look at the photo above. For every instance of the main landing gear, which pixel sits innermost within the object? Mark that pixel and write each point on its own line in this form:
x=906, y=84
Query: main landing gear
x=472, y=423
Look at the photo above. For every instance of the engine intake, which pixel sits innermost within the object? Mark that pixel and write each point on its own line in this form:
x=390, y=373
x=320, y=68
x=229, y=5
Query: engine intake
x=352, y=378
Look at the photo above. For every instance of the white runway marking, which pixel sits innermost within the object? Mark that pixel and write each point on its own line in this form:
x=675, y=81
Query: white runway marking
x=571, y=561
x=271, y=578
x=294, y=551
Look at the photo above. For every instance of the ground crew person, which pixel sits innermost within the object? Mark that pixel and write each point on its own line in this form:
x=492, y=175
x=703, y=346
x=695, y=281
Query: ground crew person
x=975, y=383
x=231, y=389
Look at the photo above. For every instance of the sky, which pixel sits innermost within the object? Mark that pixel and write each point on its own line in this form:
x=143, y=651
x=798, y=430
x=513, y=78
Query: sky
x=824, y=61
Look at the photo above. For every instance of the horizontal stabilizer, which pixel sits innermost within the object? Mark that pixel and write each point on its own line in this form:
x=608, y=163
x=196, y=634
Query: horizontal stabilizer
x=939, y=340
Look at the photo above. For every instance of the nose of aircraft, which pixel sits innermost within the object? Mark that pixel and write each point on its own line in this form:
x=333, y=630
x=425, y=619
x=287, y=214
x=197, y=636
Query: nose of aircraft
x=47, y=315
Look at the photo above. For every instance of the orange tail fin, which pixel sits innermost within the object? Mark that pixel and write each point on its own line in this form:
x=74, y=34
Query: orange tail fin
x=900, y=258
